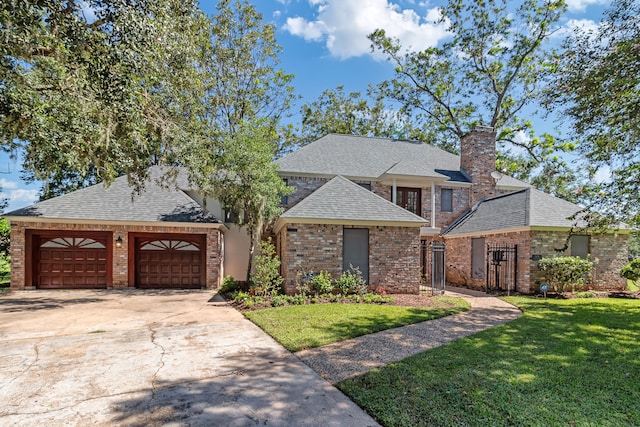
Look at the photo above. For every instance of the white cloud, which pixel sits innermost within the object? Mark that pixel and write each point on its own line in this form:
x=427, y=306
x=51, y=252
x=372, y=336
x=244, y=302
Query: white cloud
x=345, y=24
x=581, y=5
x=17, y=197
x=577, y=26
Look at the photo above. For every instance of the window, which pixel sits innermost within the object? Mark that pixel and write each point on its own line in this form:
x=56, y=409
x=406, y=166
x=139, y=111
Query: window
x=446, y=200
x=580, y=246
x=284, y=200
x=409, y=198
x=366, y=185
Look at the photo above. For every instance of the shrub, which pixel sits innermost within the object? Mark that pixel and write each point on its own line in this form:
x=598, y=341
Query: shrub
x=565, y=272
x=586, y=294
x=265, y=278
x=321, y=283
x=631, y=271
x=351, y=282
x=279, y=301
x=229, y=284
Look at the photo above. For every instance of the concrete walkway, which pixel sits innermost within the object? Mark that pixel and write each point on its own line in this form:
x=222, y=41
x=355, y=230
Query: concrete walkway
x=346, y=359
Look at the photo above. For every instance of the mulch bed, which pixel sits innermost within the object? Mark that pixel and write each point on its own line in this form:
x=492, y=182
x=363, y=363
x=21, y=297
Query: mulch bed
x=406, y=300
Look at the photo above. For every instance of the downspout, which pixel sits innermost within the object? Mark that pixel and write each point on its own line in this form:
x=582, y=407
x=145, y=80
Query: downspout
x=433, y=205
x=393, y=192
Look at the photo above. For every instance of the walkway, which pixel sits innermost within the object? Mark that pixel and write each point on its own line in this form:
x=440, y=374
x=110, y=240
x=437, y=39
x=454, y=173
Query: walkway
x=346, y=359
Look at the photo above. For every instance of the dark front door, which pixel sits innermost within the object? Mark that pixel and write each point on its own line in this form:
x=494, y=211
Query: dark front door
x=355, y=250
x=170, y=262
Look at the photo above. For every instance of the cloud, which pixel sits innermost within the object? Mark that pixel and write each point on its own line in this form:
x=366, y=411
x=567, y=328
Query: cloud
x=343, y=25
x=581, y=5
x=577, y=26
x=17, y=196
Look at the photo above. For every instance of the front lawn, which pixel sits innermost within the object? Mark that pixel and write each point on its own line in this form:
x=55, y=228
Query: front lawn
x=565, y=362
x=306, y=326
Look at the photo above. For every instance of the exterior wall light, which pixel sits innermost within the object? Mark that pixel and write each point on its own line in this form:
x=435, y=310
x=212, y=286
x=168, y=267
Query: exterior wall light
x=119, y=242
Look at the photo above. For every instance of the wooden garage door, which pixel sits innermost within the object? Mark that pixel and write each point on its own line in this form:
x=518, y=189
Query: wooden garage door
x=170, y=262
x=71, y=262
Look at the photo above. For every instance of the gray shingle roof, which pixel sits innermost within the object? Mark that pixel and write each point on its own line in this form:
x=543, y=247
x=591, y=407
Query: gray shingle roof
x=157, y=203
x=524, y=208
x=365, y=157
x=341, y=199
x=371, y=158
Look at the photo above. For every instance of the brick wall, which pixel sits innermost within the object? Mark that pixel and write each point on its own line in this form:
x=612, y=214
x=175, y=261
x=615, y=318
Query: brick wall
x=478, y=159
x=458, y=251
x=120, y=273
x=394, y=255
x=610, y=250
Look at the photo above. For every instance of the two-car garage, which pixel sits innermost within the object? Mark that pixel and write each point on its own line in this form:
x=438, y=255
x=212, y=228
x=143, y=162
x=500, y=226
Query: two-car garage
x=84, y=260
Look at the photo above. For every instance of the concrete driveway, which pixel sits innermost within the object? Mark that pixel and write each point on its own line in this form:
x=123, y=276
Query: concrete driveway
x=145, y=358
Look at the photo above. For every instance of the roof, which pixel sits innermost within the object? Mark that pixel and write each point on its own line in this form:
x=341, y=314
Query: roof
x=156, y=203
x=524, y=208
x=366, y=157
x=361, y=157
x=342, y=200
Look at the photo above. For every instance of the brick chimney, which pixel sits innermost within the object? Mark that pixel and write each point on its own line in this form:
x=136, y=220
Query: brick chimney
x=478, y=160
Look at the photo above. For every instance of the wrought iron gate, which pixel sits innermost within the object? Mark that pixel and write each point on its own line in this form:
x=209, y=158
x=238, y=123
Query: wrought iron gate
x=432, y=268
x=502, y=268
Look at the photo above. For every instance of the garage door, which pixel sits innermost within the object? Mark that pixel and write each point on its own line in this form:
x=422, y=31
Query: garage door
x=170, y=262
x=64, y=262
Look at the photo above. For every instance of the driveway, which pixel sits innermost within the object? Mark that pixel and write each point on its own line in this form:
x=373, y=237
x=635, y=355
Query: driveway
x=150, y=358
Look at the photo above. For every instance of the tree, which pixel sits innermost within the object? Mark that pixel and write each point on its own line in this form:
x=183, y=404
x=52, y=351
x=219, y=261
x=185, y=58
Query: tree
x=598, y=89
x=489, y=73
x=245, y=81
x=239, y=172
x=102, y=85
x=246, y=98
x=350, y=113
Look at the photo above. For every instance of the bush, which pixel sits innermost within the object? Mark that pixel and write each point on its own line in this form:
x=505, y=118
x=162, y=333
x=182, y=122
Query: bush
x=565, y=272
x=265, y=278
x=631, y=271
x=321, y=283
x=229, y=284
x=351, y=282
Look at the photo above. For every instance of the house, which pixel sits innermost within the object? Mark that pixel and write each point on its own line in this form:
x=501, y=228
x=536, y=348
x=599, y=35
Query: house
x=373, y=203
x=106, y=237
x=494, y=227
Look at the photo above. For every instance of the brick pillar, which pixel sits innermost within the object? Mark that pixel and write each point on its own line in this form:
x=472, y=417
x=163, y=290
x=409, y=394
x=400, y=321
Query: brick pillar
x=478, y=160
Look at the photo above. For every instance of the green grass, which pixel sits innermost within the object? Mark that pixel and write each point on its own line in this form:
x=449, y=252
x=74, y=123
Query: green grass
x=306, y=326
x=564, y=363
x=632, y=286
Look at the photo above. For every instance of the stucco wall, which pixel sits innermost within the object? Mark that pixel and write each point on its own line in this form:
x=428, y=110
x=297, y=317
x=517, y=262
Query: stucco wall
x=394, y=255
x=120, y=272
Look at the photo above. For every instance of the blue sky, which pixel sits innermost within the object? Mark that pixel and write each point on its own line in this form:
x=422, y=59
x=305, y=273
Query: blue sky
x=324, y=45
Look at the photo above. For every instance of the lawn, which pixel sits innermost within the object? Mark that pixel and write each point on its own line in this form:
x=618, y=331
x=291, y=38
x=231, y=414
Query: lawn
x=306, y=326
x=565, y=362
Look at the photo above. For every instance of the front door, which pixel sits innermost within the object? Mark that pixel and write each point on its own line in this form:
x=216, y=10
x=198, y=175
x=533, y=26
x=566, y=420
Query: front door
x=355, y=250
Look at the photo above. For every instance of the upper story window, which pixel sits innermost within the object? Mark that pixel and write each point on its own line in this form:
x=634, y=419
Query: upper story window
x=446, y=200
x=284, y=200
x=410, y=199
x=580, y=246
x=366, y=185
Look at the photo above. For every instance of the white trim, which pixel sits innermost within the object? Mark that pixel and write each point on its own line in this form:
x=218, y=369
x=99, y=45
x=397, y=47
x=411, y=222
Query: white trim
x=394, y=192
x=433, y=204
x=31, y=219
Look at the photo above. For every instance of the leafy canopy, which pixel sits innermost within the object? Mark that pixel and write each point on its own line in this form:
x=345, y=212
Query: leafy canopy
x=598, y=89
x=107, y=84
x=488, y=73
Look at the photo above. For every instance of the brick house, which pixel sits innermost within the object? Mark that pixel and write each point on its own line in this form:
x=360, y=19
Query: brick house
x=368, y=202
x=460, y=200
x=101, y=237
